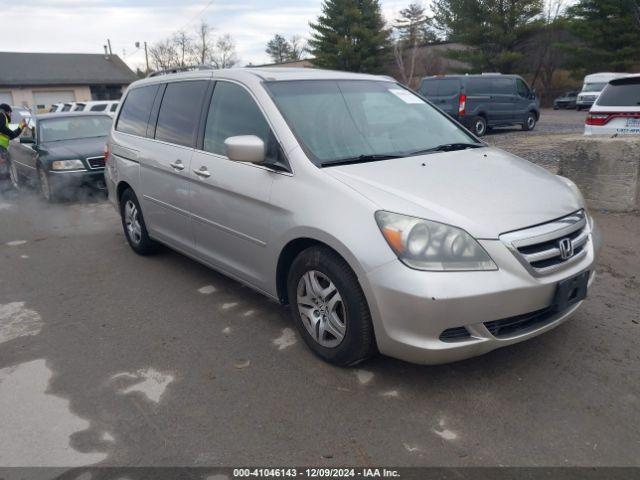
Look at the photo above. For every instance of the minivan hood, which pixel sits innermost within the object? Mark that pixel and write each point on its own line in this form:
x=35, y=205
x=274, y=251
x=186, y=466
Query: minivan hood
x=484, y=191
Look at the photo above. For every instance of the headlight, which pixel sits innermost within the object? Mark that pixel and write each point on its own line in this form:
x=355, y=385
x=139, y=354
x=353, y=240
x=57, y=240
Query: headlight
x=426, y=245
x=67, y=165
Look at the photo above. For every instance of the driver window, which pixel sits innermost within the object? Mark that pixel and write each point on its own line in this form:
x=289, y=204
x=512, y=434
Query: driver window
x=233, y=112
x=523, y=89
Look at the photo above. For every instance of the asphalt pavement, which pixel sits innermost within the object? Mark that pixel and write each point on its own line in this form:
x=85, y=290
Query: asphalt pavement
x=114, y=359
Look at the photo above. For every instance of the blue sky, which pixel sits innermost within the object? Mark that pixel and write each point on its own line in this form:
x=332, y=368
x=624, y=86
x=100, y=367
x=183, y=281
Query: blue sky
x=84, y=26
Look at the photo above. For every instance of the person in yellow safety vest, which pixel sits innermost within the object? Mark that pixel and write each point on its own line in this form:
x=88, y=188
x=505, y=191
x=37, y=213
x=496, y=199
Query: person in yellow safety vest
x=6, y=134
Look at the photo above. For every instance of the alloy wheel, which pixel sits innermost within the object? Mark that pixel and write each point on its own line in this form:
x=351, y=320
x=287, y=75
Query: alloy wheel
x=132, y=222
x=321, y=308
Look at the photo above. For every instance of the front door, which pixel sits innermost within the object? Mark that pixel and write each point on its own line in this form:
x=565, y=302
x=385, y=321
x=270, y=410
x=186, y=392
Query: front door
x=166, y=162
x=230, y=200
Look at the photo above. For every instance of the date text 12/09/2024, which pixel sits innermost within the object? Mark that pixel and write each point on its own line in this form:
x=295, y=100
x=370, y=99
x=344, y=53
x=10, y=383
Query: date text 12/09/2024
x=315, y=473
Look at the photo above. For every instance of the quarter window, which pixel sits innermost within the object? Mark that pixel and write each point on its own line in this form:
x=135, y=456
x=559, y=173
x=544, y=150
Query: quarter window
x=180, y=111
x=135, y=112
x=503, y=86
x=234, y=112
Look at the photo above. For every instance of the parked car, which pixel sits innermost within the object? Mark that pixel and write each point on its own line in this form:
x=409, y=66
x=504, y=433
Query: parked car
x=593, y=86
x=568, y=100
x=617, y=110
x=384, y=224
x=62, y=151
x=107, y=106
x=480, y=102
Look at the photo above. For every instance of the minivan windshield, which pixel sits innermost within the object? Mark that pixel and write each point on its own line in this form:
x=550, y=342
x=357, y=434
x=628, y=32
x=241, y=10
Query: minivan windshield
x=366, y=120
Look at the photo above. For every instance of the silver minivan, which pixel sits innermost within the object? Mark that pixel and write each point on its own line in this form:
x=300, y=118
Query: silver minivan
x=384, y=224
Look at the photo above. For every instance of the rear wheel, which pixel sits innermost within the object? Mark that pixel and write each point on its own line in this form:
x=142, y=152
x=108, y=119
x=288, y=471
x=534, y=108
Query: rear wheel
x=479, y=126
x=529, y=122
x=329, y=307
x=133, y=224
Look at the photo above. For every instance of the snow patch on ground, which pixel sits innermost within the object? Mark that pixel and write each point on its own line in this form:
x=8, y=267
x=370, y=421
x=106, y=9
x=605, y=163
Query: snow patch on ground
x=287, y=339
x=364, y=377
x=4, y=206
x=207, y=290
x=227, y=306
x=16, y=243
x=18, y=321
x=148, y=381
x=36, y=426
x=445, y=433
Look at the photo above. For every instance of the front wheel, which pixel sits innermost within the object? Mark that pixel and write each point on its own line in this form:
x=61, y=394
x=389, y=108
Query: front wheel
x=329, y=307
x=16, y=182
x=529, y=122
x=135, y=230
x=47, y=190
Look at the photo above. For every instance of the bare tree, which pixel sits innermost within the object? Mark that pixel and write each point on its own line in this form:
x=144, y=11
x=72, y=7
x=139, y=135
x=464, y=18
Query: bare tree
x=163, y=55
x=204, y=43
x=184, y=47
x=298, y=48
x=224, y=52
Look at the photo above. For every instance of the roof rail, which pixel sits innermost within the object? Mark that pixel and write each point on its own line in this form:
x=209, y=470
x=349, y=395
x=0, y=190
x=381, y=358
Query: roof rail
x=188, y=68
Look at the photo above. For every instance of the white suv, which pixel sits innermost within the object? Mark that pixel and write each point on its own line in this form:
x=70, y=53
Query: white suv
x=617, y=110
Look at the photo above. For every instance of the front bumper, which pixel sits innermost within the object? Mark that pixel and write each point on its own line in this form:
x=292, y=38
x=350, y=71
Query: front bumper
x=411, y=309
x=62, y=180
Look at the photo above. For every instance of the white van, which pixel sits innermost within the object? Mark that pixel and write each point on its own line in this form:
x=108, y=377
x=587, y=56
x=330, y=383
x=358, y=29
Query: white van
x=107, y=106
x=593, y=86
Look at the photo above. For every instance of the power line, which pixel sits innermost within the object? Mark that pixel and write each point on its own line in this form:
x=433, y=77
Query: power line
x=197, y=16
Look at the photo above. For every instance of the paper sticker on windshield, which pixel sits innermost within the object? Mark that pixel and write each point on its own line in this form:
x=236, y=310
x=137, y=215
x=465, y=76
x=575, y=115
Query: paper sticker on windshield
x=405, y=96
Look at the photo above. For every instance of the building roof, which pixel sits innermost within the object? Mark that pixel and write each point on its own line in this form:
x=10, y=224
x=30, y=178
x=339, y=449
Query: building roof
x=32, y=69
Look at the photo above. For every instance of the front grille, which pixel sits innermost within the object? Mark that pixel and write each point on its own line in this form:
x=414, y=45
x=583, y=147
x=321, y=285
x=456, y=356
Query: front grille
x=455, y=334
x=508, y=327
x=96, y=162
x=540, y=248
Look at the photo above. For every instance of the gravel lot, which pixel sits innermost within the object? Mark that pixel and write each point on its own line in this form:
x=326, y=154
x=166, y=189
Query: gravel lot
x=541, y=145
x=113, y=359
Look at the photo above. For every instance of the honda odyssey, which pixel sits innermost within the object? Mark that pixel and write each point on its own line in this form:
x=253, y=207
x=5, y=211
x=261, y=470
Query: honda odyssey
x=383, y=223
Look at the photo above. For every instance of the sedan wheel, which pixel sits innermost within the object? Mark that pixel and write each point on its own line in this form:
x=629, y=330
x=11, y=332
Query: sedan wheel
x=132, y=222
x=45, y=185
x=321, y=309
x=15, y=176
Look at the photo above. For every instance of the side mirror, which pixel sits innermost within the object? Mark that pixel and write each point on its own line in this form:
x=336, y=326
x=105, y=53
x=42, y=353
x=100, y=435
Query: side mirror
x=27, y=140
x=245, y=148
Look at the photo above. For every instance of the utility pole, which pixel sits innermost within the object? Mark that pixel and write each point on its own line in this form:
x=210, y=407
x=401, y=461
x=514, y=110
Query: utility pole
x=146, y=56
x=109, y=43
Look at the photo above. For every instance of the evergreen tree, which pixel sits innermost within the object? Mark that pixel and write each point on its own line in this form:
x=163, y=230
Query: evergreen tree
x=414, y=26
x=609, y=31
x=279, y=49
x=496, y=28
x=351, y=35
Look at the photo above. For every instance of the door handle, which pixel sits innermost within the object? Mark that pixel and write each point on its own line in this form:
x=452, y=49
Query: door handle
x=177, y=165
x=203, y=172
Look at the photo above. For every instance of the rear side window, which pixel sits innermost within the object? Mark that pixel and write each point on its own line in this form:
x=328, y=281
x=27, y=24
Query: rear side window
x=233, y=112
x=99, y=108
x=503, y=86
x=114, y=107
x=134, y=115
x=429, y=88
x=79, y=107
x=479, y=86
x=444, y=87
x=621, y=95
x=180, y=111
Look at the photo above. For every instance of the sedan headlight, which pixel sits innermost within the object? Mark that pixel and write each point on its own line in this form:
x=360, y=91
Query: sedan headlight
x=67, y=165
x=426, y=245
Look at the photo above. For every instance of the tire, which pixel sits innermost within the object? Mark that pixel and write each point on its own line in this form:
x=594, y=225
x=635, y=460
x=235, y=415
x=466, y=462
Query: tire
x=16, y=182
x=135, y=230
x=479, y=126
x=344, y=302
x=47, y=190
x=529, y=122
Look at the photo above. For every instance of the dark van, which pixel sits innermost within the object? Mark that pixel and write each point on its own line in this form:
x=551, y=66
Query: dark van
x=484, y=101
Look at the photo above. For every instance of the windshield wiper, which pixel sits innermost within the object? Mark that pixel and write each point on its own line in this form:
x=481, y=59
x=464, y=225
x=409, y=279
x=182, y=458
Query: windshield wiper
x=447, y=147
x=359, y=159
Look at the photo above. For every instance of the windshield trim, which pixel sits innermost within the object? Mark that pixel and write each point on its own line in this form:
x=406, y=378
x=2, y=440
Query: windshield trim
x=317, y=162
